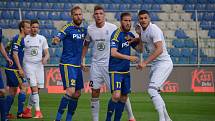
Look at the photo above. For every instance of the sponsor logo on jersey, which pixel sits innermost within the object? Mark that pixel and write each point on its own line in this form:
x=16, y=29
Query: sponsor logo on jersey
x=77, y=36
x=125, y=44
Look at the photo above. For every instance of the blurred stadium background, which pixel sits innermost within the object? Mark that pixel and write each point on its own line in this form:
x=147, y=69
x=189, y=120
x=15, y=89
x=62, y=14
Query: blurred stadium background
x=189, y=29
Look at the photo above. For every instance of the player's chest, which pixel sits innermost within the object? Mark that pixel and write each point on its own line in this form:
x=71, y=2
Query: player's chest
x=33, y=43
x=76, y=34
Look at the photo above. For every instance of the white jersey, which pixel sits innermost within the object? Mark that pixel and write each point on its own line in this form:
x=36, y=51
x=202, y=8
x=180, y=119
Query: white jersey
x=34, y=47
x=100, y=38
x=151, y=35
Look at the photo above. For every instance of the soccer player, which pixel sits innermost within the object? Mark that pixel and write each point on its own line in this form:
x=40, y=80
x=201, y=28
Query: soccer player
x=152, y=36
x=2, y=90
x=72, y=36
x=15, y=73
x=99, y=34
x=36, y=56
x=119, y=64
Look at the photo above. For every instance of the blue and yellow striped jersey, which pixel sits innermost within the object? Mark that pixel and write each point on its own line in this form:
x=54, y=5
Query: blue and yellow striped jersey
x=72, y=38
x=17, y=45
x=119, y=41
x=0, y=35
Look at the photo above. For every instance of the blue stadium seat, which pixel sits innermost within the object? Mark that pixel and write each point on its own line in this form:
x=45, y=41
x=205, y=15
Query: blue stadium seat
x=67, y=6
x=208, y=16
x=178, y=43
x=180, y=1
x=45, y=33
x=46, y=6
x=170, y=1
x=154, y=16
x=210, y=6
x=16, y=15
x=117, y=16
x=156, y=7
x=123, y=7
x=183, y=60
x=195, y=53
x=51, y=52
x=192, y=60
x=49, y=24
x=113, y=6
x=54, y=15
x=213, y=24
x=188, y=43
x=4, y=23
x=23, y=5
x=6, y=15
x=11, y=5
x=58, y=52
x=179, y=33
x=174, y=60
x=191, y=1
x=54, y=32
x=174, y=52
x=36, y=5
x=204, y=60
x=134, y=6
x=185, y=52
x=205, y=25
x=202, y=1
x=30, y=15
x=200, y=6
x=149, y=1
x=189, y=7
x=42, y=15
x=199, y=16
x=159, y=1
x=65, y=16
x=146, y=7
x=211, y=33
x=56, y=6
x=2, y=4
x=211, y=1
x=13, y=24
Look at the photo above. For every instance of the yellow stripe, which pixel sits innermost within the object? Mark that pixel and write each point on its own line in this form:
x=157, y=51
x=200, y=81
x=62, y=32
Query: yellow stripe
x=66, y=75
x=10, y=69
x=116, y=35
x=112, y=79
x=19, y=40
x=117, y=72
x=17, y=76
x=77, y=66
x=65, y=27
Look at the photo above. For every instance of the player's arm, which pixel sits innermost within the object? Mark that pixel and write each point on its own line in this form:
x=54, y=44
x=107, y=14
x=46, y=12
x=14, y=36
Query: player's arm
x=3, y=52
x=84, y=51
x=116, y=54
x=60, y=36
x=139, y=45
x=158, y=50
x=46, y=56
x=16, y=59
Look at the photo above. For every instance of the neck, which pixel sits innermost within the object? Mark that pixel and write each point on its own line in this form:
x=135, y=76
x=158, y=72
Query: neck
x=100, y=25
x=22, y=34
x=33, y=35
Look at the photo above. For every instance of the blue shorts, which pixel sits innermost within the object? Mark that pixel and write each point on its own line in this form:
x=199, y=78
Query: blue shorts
x=120, y=81
x=71, y=76
x=1, y=82
x=13, y=78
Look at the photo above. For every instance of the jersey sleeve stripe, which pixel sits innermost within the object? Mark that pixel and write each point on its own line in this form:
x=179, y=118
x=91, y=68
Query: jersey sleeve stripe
x=19, y=40
x=116, y=35
x=65, y=27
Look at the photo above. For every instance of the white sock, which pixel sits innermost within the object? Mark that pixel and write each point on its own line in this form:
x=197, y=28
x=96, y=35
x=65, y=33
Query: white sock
x=159, y=103
x=36, y=100
x=166, y=114
x=128, y=109
x=30, y=102
x=95, y=108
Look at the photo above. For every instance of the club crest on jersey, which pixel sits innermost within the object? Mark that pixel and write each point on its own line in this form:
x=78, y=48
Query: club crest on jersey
x=101, y=46
x=77, y=36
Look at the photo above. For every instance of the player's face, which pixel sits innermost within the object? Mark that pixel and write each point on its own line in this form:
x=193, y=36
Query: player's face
x=77, y=17
x=144, y=20
x=99, y=16
x=126, y=23
x=27, y=28
x=34, y=28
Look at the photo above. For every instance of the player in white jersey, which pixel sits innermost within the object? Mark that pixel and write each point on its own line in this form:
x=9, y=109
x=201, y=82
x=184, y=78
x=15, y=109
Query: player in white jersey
x=34, y=60
x=154, y=43
x=99, y=34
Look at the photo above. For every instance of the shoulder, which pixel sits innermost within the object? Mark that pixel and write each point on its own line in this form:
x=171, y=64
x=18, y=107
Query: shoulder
x=40, y=37
x=154, y=27
x=91, y=26
x=67, y=26
x=110, y=25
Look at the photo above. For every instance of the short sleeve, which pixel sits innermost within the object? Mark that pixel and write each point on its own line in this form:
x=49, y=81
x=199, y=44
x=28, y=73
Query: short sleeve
x=45, y=44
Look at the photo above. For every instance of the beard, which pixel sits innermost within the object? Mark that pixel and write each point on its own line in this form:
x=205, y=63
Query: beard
x=126, y=28
x=77, y=22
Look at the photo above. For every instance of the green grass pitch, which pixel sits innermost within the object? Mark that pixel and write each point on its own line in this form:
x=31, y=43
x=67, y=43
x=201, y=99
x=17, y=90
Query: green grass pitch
x=181, y=107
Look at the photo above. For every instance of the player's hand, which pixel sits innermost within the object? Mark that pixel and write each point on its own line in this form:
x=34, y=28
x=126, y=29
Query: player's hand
x=84, y=68
x=10, y=62
x=21, y=73
x=141, y=65
x=44, y=61
x=133, y=58
x=138, y=29
x=55, y=40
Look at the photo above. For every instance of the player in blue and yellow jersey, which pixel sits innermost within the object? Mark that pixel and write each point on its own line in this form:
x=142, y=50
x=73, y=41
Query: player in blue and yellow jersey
x=15, y=73
x=2, y=90
x=72, y=36
x=119, y=64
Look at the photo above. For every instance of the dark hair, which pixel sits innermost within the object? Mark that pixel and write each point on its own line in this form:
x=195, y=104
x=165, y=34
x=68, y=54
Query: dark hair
x=75, y=8
x=143, y=12
x=34, y=22
x=124, y=14
x=22, y=24
x=98, y=7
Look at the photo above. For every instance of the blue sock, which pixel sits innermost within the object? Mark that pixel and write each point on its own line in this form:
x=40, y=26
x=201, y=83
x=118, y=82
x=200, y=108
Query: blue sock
x=63, y=104
x=71, y=108
x=118, y=110
x=2, y=109
x=21, y=102
x=9, y=102
x=111, y=108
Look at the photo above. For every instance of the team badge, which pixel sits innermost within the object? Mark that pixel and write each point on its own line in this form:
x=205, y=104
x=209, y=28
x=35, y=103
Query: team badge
x=100, y=46
x=34, y=52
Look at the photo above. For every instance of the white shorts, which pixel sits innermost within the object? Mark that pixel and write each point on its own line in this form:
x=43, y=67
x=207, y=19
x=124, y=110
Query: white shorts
x=98, y=76
x=159, y=73
x=34, y=74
